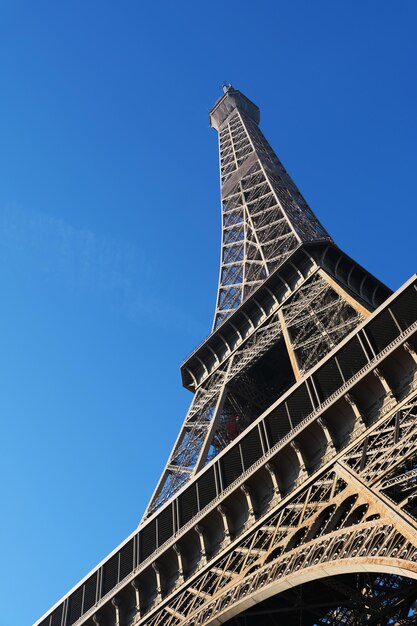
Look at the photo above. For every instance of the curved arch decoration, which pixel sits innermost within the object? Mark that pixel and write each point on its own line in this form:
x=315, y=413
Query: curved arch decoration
x=268, y=581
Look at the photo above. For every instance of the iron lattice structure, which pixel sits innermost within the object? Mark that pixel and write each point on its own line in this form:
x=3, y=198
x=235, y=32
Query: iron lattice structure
x=264, y=220
x=264, y=216
x=291, y=492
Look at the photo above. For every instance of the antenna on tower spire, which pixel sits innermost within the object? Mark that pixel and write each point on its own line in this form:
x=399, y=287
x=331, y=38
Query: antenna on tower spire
x=226, y=87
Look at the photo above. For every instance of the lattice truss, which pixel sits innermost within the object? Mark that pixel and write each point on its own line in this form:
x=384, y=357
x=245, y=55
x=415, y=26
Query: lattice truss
x=316, y=318
x=373, y=459
x=212, y=407
x=264, y=215
x=362, y=509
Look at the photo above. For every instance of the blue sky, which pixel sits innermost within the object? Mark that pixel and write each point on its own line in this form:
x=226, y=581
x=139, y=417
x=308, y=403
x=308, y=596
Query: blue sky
x=110, y=230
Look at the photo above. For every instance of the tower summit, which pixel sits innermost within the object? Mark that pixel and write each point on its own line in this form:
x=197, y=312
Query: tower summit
x=229, y=103
x=291, y=489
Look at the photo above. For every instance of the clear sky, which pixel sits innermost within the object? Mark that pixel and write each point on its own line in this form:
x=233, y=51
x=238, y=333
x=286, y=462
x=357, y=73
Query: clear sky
x=110, y=230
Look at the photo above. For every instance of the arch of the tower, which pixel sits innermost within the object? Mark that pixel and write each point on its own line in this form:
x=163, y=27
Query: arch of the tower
x=335, y=552
x=375, y=592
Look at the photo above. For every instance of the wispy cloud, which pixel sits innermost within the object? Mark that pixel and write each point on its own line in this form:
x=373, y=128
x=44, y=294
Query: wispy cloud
x=81, y=259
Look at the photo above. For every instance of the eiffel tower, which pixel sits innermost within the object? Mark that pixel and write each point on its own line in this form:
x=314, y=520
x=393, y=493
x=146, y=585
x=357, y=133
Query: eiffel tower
x=290, y=495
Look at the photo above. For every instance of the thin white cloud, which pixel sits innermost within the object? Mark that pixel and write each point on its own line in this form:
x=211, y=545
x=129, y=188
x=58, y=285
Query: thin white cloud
x=81, y=259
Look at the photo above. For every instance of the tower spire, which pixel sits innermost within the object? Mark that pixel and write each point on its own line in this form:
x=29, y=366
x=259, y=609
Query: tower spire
x=269, y=237
x=264, y=215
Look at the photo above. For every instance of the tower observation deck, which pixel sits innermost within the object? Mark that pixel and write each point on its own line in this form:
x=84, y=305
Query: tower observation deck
x=291, y=490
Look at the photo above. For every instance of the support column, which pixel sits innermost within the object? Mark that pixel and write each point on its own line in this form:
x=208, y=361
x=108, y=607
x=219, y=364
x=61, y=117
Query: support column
x=157, y=571
x=409, y=348
x=379, y=374
x=329, y=440
x=275, y=485
x=344, y=294
x=200, y=534
x=288, y=345
x=296, y=448
x=221, y=509
x=98, y=619
x=180, y=563
x=358, y=415
x=116, y=603
x=249, y=501
x=135, y=586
